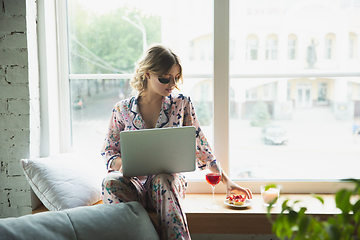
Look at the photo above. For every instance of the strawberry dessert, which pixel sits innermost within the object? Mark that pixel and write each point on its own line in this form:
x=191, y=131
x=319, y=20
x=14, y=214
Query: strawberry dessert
x=236, y=199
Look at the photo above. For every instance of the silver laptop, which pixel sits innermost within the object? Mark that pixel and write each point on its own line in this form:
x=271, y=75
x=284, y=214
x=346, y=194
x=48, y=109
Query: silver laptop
x=158, y=150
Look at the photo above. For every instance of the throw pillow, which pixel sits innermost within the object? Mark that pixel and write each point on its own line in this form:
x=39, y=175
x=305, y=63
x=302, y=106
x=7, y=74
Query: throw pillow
x=65, y=181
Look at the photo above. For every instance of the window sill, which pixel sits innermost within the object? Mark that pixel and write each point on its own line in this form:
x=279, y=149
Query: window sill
x=251, y=220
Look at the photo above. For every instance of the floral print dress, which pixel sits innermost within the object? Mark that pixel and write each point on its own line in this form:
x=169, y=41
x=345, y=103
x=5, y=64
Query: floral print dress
x=164, y=191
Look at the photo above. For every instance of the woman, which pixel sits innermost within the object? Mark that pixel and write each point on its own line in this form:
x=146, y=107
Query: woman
x=156, y=75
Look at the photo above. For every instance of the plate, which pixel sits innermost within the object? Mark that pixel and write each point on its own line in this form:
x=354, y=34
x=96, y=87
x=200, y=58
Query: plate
x=247, y=203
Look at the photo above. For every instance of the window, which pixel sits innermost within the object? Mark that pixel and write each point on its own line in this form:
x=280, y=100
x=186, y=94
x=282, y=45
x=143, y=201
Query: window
x=237, y=143
x=269, y=91
x=292, y=40
x=106, y=41
x=329, y=51
x=307, y=97
x=252, y=47
x=352, y=45
x=271, y=47
x=251, y=94
x=201, y=48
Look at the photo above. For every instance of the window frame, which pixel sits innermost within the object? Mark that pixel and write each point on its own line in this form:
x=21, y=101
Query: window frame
x=221, y=81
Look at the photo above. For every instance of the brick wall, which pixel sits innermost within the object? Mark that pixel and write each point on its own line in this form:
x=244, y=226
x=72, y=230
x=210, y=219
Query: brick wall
x=19, y=102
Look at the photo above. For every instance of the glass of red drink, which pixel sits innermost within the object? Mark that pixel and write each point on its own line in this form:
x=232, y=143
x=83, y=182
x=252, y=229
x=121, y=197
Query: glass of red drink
x=213, y=178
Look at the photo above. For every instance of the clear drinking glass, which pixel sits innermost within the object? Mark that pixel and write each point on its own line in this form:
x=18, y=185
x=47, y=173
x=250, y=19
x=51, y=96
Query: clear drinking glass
x=270, y=195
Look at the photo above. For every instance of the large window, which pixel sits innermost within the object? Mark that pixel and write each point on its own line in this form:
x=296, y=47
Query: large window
x=307, y=99
x=104, y=44
x=298, y=91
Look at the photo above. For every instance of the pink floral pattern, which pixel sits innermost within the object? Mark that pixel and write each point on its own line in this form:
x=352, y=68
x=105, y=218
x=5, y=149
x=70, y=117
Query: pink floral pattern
x=165, y=191
x=176, y=111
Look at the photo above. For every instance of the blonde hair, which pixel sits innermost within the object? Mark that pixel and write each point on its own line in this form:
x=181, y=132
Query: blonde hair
x=157, y=60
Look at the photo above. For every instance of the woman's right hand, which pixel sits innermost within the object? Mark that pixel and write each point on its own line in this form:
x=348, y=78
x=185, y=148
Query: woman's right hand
x=116, y=164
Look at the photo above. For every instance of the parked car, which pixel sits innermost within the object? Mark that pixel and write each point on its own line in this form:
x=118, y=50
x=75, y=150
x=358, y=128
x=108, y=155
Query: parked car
x=275, y=135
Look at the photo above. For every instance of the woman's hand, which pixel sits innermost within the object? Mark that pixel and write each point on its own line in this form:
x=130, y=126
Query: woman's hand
x=232, y=187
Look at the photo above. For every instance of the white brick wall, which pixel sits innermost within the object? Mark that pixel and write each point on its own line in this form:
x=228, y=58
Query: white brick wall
x=19, y=89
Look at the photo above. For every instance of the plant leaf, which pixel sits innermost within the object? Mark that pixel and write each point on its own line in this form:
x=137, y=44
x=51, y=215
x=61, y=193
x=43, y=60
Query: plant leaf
x=284, y=205
x=292, y=217
x=302, y=212
x=318, y=197
x=354, y=180
x=356, y=207
x=357, y=218
x=357, y=183
x=272, y=185
x=333, y=232
x=303, y=225
x=342, y=200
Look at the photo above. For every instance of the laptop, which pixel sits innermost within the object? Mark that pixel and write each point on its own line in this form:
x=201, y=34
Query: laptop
x=158, y=150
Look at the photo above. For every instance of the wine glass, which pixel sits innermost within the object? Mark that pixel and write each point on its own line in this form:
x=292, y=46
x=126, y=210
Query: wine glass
x=213, y=178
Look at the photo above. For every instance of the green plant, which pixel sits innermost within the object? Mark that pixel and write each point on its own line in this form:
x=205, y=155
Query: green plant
x=261, y=115
x=294, y=224
x=203, y=112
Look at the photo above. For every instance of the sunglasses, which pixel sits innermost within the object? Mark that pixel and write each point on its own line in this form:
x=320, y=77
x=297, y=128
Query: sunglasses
x=167, y=80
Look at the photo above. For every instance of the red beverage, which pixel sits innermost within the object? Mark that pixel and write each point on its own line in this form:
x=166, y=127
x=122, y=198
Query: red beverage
x=213, y=178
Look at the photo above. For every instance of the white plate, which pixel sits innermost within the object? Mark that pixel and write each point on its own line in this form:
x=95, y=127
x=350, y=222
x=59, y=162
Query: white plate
x=247, y=203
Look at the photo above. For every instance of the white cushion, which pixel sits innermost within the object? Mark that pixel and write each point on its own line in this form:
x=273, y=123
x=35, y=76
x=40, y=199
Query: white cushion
x=65, y=181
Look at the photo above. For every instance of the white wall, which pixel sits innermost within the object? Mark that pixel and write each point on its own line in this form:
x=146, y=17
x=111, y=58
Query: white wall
x=19, y=103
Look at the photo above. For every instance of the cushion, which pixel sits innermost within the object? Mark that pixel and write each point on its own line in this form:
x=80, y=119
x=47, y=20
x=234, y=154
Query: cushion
x=65, y=181
x=112, y=221
x=106, y=221
x=47, y=225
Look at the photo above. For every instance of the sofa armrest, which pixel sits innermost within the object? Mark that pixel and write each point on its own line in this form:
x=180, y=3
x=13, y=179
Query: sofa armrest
x=104, y=221
x=112, y=221
x=47, y=225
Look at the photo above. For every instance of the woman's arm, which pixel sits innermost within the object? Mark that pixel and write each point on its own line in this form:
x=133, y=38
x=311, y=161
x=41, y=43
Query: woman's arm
x=204, y=153
x=111, y=147
x=232, y=187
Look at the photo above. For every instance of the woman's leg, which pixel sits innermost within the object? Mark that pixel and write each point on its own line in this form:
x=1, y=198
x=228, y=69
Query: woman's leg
x=167, y=191
x=116, y=189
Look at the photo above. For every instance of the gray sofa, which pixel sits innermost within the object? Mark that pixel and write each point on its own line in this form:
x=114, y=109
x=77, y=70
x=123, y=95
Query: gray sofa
x=115, y=221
